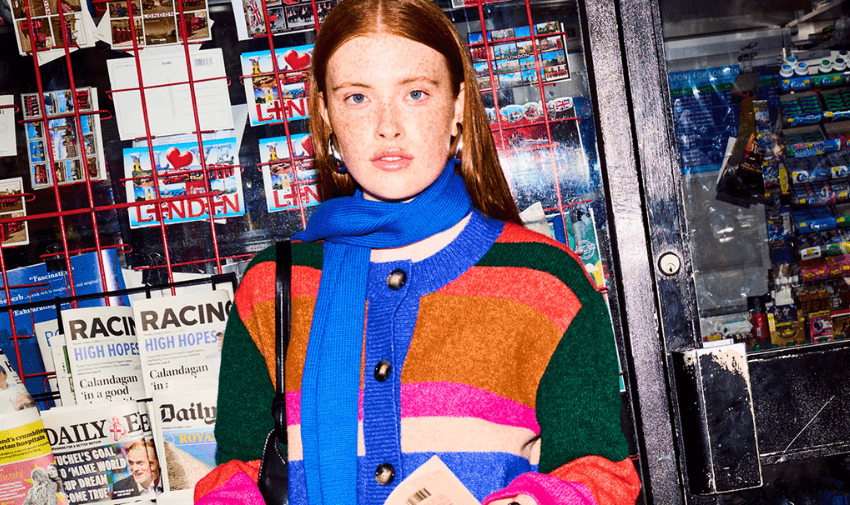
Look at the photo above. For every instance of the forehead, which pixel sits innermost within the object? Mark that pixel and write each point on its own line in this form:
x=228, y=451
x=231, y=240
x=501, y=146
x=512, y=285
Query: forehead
x=382, y=56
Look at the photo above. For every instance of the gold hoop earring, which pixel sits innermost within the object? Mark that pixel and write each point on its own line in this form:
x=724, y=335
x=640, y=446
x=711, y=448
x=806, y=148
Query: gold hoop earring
x=337, y=164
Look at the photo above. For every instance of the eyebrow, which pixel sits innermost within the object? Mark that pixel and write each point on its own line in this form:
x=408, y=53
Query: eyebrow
x=407, y=80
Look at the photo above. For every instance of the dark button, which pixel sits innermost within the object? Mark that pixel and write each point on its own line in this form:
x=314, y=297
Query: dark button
x=385, y=474
x=396, y=279
x=382, y=370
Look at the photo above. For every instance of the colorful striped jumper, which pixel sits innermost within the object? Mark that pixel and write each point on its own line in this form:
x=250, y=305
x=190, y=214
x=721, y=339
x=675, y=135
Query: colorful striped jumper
x=496, y=354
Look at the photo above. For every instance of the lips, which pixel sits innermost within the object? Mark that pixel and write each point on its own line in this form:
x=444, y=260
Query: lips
x=391, y=160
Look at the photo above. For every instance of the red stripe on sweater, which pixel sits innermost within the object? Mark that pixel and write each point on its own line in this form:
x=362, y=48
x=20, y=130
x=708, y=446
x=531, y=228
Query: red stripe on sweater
x=254, y=288
x=514, y=233
x=258, y=286
x=611, y=483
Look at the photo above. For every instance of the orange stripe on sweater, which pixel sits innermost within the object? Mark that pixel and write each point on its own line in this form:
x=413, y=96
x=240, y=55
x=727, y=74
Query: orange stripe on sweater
x=611, y=483
x=502, y=347
x=539, y=290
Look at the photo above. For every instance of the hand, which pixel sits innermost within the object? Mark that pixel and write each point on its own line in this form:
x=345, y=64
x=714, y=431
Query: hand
x=520, y=499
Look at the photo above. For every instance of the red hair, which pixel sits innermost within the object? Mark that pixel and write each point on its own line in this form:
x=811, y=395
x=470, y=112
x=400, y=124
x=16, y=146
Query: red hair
x=420, y=21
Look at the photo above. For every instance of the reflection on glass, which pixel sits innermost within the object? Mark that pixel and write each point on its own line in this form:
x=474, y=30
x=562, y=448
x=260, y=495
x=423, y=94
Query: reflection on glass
x=758, y=93
x=530, y=66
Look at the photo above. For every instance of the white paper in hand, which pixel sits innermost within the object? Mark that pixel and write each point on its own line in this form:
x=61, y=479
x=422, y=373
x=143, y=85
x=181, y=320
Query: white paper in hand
x=433, y=483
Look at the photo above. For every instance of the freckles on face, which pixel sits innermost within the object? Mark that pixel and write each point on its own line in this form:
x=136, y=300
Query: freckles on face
x=391, y=108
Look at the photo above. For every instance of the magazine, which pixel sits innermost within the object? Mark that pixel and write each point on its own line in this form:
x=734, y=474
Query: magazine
x=180, y=337
x=28, y=473
x=104, y=452
x=51, y=340
x=103, y=353
x=53, y=282
x=13, y=395
x=184, y=435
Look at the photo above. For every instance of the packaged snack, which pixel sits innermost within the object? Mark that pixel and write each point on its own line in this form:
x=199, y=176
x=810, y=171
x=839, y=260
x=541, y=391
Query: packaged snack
x=813, y=220
x=840, y=323
x=820, y=326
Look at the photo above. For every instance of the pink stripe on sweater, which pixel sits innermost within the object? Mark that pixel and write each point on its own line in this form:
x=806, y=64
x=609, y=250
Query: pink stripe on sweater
x=435, y=399
x=427, y=399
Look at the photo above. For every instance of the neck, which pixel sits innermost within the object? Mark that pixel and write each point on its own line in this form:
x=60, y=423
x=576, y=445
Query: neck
x=418, y=251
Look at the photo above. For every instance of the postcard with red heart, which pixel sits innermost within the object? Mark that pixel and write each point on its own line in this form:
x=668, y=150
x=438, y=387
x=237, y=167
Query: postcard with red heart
x=188, y=181
x=290, y=184
x=275, y=97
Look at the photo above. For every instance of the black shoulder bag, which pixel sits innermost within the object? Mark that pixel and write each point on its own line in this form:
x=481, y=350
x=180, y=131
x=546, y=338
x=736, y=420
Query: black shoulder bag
x=274, y=469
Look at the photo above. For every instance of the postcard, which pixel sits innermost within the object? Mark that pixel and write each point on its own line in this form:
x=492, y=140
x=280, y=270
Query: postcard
x=56, y=140
x=267, y=103
x=12, y=205
x=155, y=22
x=291, y=183
x=170, y=110
x=178, y=176
x=8, y=144
x=283, y=16
x=44, y=31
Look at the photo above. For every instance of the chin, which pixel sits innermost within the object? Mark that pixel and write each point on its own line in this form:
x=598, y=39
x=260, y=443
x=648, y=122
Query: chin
x=397, y=194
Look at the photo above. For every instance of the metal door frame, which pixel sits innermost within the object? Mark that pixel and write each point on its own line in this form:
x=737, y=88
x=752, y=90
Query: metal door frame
x=627, y=70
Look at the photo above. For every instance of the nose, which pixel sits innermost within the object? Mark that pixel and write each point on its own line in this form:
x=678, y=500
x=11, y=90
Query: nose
x=389, y=124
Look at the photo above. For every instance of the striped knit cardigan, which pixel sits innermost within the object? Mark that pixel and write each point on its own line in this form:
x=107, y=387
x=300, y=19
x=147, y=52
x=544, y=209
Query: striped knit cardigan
x=502, y=362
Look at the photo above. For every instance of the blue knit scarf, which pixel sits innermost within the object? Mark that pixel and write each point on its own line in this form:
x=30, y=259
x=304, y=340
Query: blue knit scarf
x=330, y=389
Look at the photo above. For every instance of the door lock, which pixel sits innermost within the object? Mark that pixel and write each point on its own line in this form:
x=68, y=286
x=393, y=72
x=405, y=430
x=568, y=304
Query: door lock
x=669, y=263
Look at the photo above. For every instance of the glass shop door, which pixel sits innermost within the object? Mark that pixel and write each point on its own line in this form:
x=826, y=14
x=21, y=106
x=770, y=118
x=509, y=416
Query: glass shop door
x=551, y=78
x=744, y=146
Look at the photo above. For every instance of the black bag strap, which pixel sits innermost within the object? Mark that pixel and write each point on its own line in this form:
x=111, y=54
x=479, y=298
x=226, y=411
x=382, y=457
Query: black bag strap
x=283, y=312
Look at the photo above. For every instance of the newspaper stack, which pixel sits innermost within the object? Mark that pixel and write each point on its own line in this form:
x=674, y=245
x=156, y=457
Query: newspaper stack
x=105, y=453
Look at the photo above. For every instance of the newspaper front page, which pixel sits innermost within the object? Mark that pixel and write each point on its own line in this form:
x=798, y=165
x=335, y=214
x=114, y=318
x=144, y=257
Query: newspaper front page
x=103, y=353
x=105, y=452
x=28, y=473
x=180, y=337
x=185, y=438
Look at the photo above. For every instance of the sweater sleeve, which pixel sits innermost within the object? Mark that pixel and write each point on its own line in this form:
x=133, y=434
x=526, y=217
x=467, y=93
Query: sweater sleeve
x=578, y=399
x=578, y=407
x=245, y=395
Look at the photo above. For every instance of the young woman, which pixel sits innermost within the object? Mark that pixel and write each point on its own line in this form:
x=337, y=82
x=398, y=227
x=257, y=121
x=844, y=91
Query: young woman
x=425, y=319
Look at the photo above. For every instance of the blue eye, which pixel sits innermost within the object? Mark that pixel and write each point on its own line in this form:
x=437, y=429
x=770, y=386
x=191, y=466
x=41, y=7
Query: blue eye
x=417, y=94
x=357, y=98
